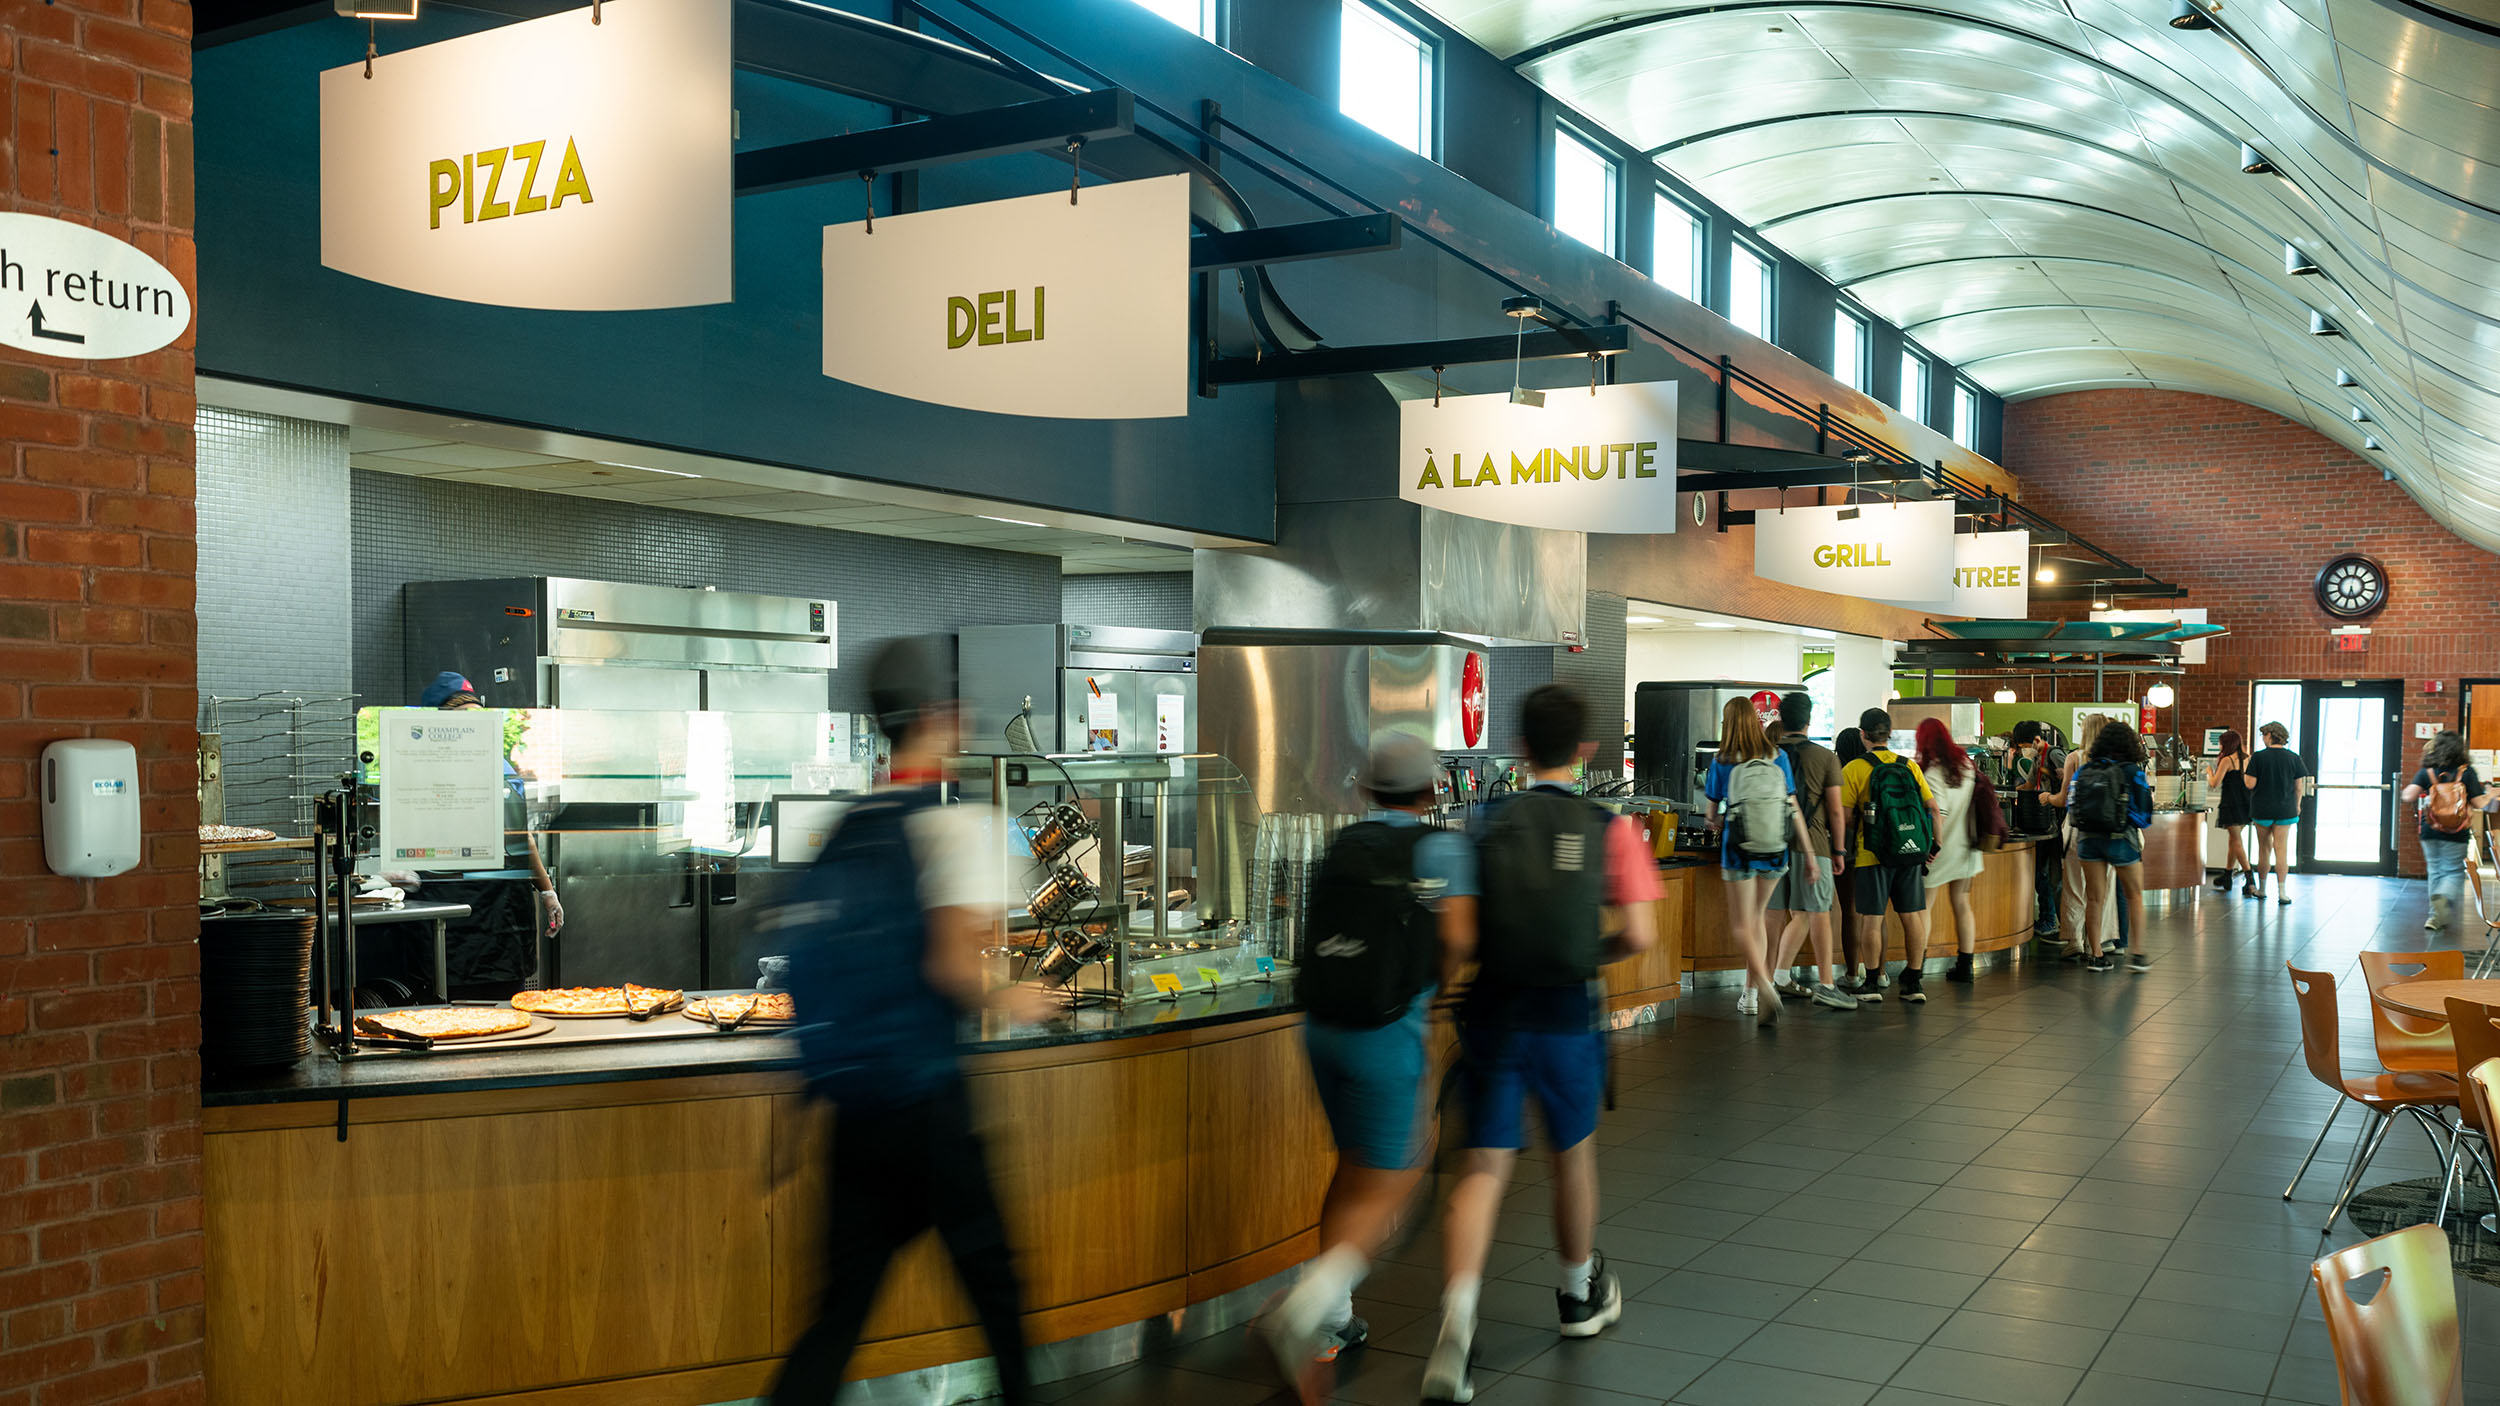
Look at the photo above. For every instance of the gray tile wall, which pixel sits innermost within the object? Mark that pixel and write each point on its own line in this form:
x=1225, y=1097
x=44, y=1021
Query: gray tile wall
x=411, y=529
x=273, y=523
x=1143, y=600
x=1596, y=671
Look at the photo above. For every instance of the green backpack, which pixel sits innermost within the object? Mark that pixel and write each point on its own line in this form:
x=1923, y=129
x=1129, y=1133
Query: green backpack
x=1900, y=829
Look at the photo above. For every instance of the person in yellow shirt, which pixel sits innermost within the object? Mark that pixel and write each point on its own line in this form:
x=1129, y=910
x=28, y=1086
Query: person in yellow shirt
x=1891, y=862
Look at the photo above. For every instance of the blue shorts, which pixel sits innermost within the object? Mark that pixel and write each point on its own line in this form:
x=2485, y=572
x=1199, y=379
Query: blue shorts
x=1499, y=1069
x=2107, y=849
x=2294, y=820
x=1373, y=1085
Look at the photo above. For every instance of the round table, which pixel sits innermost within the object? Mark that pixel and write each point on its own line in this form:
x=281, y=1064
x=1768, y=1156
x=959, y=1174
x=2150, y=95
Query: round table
x=2428, y=1000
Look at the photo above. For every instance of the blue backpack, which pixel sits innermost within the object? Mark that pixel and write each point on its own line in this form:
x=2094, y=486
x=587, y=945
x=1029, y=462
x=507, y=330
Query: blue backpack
x=872, y=1031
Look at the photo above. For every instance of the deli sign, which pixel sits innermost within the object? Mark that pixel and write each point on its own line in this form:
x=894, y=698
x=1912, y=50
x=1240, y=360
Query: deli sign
x=1024, y=306
x=1582, y=462
x=552, y=163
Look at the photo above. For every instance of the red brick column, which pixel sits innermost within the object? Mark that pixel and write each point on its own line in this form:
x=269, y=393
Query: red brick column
x=2242, y=507
x=100, y=1277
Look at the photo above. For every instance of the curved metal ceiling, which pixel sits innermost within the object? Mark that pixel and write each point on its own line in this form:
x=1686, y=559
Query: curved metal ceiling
x=2050, y=194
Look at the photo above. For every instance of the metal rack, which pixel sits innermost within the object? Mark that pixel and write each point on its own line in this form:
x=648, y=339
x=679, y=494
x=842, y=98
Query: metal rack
x=265, y=759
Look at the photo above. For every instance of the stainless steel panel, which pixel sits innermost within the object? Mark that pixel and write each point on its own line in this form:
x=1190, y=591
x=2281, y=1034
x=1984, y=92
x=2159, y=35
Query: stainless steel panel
x=1382, y=564
x=1416, y=689
x=766, y=691
x=630, y=912
x=1157, y=649
x=622, y=687
x=608, y=620
x=997, y=668
x=1501, y=581
x=1135, y=700
x=1295, y=719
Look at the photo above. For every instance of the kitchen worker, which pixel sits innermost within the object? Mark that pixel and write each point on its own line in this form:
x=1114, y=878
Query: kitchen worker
x=493, y=952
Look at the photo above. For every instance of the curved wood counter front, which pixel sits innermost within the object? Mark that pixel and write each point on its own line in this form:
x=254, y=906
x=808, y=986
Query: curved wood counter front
x=628, y=1242
x=2001, y=903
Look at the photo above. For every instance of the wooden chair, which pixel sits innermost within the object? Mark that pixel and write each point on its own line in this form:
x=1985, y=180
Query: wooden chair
x=2409, y=1044
x=2383, y=1096
x=2477, y=1028
x=2398, y=1344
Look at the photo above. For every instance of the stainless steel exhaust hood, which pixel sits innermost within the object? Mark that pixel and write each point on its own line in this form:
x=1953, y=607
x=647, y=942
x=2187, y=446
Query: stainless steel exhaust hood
x=1386, y=564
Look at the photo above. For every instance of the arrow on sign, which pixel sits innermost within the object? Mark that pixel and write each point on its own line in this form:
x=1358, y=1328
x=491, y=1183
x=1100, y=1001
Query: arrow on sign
x=36, y=314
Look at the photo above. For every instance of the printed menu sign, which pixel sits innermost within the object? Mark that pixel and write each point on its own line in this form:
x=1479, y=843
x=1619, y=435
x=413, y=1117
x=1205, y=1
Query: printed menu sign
x=1581, y=462
x=442, y=788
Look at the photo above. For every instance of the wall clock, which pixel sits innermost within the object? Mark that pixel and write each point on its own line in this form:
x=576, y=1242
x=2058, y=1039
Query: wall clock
x=2352, y=587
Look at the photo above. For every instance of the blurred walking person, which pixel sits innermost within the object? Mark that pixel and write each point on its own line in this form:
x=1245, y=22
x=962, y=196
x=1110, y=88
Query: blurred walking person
x=1752, y=797
x=1393, y=915
x=884, y=938
x=1549, y=864
x=2447, y=790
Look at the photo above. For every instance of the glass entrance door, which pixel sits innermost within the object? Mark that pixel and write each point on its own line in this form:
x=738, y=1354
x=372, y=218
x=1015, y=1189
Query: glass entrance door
x=2350, y=737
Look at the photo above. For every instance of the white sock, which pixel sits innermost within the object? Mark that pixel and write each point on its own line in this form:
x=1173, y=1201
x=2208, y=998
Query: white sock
x=1327, y=1283
x=1575, y=1278
x=1458, y=1303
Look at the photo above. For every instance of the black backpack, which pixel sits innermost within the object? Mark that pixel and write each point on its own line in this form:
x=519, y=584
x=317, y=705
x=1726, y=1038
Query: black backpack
x=1374, y=940
x=2097, y=801
x=1541, y=863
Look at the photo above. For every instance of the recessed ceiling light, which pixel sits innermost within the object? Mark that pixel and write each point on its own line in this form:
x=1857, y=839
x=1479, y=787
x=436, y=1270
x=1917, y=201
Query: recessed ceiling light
x=1814, y=634
x=1713, y=625
x=1644, y=620
x=646, y=468
x=2185, y=15
x=2252, y=161
x=1010, y=521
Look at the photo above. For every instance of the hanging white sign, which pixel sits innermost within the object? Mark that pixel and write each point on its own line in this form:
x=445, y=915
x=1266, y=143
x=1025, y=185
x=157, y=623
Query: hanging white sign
x=442, y=788
x=69, y=291
x=1992, y=575
x=1582, y=462
x=552, y=163
x=1029, y=306
x=1901, y=553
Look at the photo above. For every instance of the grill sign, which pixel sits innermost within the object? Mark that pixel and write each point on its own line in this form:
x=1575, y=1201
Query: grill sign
x=1900, y=553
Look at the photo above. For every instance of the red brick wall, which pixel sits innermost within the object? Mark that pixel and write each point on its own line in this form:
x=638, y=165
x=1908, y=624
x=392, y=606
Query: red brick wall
x=100, y=1279
x=2242, y=507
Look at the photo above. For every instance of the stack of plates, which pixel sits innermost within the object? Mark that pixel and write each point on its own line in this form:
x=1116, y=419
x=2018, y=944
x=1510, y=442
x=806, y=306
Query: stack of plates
x=255, y=990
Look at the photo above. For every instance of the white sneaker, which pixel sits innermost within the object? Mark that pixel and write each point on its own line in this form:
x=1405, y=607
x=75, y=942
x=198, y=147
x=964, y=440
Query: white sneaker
x=1748, y=1001
x=1445, y=1372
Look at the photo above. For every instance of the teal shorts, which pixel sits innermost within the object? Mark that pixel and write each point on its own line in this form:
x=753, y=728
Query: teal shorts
x=2295, y=820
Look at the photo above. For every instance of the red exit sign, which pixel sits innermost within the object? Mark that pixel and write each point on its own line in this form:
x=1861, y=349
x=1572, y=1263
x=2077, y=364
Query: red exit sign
x=2351, y=644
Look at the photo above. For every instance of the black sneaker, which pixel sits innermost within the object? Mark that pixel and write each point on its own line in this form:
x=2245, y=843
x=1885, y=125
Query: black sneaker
x=1911, y=991
x=1963, y=971
x=2138, y=962
x=2100, y=964
x=2222, y=882
x=1593, y=1313
x=1869, y=989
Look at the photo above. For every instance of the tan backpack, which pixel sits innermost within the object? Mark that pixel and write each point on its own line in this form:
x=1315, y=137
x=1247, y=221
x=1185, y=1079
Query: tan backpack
x=2448, y=805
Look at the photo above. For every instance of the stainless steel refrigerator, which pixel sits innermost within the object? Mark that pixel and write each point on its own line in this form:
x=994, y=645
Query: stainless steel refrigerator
x=1093, y=688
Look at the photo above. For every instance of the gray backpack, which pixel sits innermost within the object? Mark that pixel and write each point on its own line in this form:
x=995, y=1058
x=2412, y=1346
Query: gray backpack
x=1757, y=808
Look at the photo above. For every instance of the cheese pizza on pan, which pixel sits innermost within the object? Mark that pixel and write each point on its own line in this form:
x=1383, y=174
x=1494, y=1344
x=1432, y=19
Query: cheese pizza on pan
x=444, y=1022
x=771, y=1007
x=598, y=1000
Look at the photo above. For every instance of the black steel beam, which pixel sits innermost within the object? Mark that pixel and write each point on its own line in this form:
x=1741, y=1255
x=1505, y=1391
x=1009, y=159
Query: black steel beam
x=1045, y=124
x=1603, y=340
x=1305, y=239
x=1742, y=481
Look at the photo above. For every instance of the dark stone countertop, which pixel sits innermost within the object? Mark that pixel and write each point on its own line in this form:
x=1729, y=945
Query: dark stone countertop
x=698, y=1052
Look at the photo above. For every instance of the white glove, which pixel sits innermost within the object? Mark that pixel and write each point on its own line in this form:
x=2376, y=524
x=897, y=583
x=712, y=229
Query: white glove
x=405, y=883
x=552, y=908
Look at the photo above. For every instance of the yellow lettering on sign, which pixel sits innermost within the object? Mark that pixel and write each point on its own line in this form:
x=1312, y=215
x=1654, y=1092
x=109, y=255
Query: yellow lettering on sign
x=490, y=208
x=526, y=203
x=1532, y=471
x=1015, y=333
x=442, y=180
x=448, y=180
x=1432, y=472
x=1645, y=459
x=571, y=180
x=959, y=318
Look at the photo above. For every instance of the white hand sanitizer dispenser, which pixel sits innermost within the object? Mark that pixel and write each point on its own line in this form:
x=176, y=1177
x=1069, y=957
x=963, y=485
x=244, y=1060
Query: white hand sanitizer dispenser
x=90, y=807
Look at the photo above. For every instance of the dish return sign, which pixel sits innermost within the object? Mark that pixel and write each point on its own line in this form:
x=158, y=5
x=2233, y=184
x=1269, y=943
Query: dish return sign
x=73, y=292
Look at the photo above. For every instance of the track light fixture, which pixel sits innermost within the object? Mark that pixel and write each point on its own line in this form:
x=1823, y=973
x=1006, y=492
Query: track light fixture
x=2184, y=14
x=2252, y=161
x=2346, y=378
x=2320, y=327
x=2360, y=415
x=2370, y=442
x=2297, y=263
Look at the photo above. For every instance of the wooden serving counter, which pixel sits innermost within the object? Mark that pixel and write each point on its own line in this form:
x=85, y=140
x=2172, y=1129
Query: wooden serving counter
x=2001, y=899
x=639, y=1225
x=629, y=1242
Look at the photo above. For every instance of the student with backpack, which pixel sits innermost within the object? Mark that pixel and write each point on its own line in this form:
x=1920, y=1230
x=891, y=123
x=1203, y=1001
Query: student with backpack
x=2109, y=803
x=1808, y=903
x=2447, y=790
x=1549, y=864
x=2278, y=780
x=2072, y=923
x=1897, y=822
x=1752, y=796
x=2038, y=770
x=1392, y=915
x=885, y=935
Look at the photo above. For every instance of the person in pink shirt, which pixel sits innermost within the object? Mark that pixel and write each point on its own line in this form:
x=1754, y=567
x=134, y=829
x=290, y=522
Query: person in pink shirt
x=1550, y=863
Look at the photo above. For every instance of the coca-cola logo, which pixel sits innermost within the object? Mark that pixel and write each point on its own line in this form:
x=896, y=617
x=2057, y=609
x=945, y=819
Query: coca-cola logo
x=1766, y=706
x=1473, y=700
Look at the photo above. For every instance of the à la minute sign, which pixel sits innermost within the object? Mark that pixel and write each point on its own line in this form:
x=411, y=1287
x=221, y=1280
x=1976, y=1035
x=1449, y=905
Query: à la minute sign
x=1582, y=462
